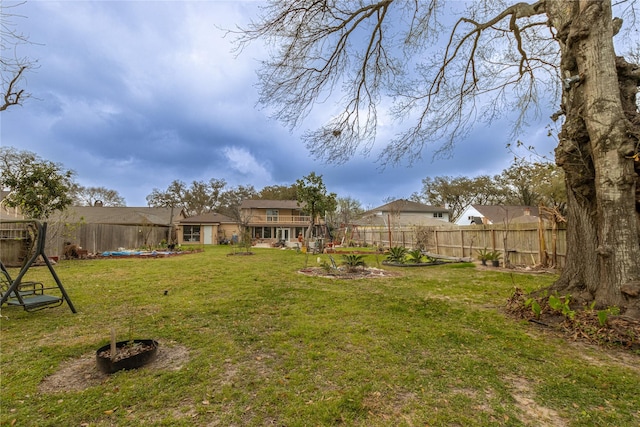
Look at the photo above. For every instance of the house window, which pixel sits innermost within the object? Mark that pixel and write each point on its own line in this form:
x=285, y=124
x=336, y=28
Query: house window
x=262, y=232
x=191, y=233
x=437, y=214
x=272, y=215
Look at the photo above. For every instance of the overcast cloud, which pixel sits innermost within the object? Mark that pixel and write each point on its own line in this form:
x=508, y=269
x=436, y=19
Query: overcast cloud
x=133, y=95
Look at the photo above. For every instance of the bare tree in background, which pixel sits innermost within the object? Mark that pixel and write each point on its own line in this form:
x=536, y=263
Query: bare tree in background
x=97, y=196
x=494, y=59
x=13, y=67
x=198, y=198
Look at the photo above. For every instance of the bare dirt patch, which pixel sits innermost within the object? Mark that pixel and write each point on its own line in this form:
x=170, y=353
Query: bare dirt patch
x=82, y=373
x=534, y=414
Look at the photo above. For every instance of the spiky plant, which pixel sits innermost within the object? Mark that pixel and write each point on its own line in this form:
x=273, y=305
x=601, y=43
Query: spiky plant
x=397, y=254
x=353, y=261
x=414, y=256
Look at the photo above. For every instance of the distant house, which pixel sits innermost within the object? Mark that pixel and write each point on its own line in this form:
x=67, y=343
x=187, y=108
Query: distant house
x=207, y=229
x=405, y=213
x=497, y=214
x=395, y=223
x=99, y=228
x=271, y=221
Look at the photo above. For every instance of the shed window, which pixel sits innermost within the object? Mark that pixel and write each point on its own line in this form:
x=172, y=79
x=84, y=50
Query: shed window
x=437, y=214
x=191, y=233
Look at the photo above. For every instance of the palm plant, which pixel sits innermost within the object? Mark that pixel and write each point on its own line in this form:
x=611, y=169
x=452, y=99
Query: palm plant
x=484, y=255
x=397, y=254
x=415, y=256
x=353, y=261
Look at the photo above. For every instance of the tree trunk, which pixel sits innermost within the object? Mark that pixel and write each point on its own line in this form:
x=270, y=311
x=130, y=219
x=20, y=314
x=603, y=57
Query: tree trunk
x=596, y=150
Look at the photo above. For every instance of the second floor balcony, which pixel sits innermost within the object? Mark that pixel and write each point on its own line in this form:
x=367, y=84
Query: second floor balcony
x=279, y=219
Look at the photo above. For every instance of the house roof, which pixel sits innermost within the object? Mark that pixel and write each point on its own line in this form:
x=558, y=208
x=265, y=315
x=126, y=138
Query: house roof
x=119, y=215
x=270, y=204
x=381, y=221
x=402, y=205
x=506, y=213
x=208, y=218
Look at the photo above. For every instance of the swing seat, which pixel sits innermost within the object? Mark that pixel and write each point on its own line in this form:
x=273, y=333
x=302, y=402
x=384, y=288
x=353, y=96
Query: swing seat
x=36, y=302
x=29, y=295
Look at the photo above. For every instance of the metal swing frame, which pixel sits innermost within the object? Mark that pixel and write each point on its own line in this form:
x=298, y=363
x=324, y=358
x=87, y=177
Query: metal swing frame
x=31, y=295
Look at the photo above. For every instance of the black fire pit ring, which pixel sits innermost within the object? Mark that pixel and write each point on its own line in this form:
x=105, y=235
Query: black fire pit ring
x=142, y=353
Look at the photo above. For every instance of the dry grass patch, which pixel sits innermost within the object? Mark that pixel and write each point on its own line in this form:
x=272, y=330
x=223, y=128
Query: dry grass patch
x=81, y=373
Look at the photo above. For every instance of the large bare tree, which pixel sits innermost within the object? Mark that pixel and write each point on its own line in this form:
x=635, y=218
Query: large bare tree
x=445, y=72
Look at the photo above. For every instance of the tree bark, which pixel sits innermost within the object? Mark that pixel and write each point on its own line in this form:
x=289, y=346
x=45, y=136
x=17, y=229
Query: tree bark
x=596, y=150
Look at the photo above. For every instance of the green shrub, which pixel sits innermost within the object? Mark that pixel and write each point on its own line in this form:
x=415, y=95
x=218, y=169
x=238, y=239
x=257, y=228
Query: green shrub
x=414, y=256
x=397, y=254
x=353, y=261
x=483, y=254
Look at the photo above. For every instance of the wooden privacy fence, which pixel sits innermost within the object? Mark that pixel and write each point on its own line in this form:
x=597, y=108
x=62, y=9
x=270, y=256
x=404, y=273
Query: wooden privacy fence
x=97, y=238
x=520, y=244
x=94, y=238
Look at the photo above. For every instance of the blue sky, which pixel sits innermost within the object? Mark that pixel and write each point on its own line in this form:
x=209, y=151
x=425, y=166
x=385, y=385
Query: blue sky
x=133, y=95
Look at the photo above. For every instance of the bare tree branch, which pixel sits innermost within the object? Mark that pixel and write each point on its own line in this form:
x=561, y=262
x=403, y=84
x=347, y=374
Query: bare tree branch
x=12, y=95
x=12, y=68
x=353, y=54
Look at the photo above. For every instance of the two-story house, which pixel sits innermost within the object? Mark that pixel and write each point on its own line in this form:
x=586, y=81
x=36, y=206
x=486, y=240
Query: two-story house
x=271, y=221
x=395, y=223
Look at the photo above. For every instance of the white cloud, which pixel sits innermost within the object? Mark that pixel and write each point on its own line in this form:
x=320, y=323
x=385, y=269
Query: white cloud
x=243, y=162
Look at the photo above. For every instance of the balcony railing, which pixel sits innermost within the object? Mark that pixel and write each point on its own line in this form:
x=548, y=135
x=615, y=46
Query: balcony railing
x=279, y=219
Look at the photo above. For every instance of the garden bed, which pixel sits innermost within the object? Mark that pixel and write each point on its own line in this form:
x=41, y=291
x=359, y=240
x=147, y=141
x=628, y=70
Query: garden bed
x=354, y=252
x=343, y=273
x=143, y=254
x=415, y=264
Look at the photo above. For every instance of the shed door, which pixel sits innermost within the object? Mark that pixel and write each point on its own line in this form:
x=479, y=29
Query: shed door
x=208, y=234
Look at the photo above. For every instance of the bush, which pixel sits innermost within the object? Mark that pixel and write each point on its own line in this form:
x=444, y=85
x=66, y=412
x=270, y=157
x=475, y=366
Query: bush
x=415, y=256
x=353, y=261
x=397, y=254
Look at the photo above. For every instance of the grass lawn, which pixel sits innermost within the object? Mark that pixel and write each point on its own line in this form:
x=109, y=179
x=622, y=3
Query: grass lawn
x=256, y=343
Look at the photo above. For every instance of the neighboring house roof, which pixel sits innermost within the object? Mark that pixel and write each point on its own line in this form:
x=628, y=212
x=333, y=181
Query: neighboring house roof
x=208, y=218
x=403, y=213
x=496, y=214
x=402, y=205
x=381, y=221
x=120, y=215
x=270, y=204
